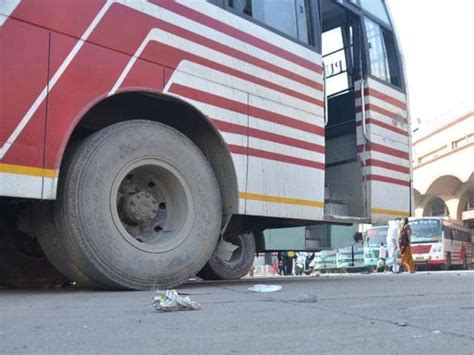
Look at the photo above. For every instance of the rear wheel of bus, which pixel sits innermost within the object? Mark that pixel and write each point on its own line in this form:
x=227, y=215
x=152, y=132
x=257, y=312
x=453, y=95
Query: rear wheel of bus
x=138, y=207
x=232, y=259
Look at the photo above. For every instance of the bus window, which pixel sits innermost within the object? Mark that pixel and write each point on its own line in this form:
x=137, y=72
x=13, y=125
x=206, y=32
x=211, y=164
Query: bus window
x=375, y=236
x=291, y=17
x=374, y=7
x=383, y=55
x=425, y=231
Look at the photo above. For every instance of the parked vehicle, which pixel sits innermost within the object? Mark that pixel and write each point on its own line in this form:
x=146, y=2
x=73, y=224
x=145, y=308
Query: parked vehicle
x=373, y=237
x=352, y=257
x=304, y=263
x=141, y=157
x=441, y=241
x=325, y=260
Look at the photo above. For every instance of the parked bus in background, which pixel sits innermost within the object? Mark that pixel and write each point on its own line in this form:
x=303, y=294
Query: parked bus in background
x=142, y=142
x=325, y=261
x=373, y=238
x=351, y=257
x=441, y=241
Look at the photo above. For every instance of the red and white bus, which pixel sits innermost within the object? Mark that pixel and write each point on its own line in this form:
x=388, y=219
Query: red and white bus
x=135, y=136
x=441, y=241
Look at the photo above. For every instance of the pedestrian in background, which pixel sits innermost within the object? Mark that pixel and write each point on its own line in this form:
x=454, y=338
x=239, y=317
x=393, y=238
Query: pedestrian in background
x=405, y=246
x=281, y=262
x=392, y=244
x=290, y=257
x=382, y=262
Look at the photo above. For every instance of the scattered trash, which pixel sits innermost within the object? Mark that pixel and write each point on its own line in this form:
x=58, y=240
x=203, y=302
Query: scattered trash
x=401, y=324
x=264, y=288
x=307, y=298
x=436, y=332
x=417, y=336
x=171, y=301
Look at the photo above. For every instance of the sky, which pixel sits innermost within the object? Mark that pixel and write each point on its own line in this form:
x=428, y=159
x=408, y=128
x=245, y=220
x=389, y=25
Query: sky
x=437, y=41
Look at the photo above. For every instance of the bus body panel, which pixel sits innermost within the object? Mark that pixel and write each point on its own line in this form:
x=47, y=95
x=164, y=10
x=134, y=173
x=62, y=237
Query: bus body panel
x=262, y=91
x=384, y=150
x=210, y=63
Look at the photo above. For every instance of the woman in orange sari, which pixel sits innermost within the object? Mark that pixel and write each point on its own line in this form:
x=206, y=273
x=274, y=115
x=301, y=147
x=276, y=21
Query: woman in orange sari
x=404, y=241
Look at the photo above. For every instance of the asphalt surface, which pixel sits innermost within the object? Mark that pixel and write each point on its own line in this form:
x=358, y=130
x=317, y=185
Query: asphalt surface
x=423, y=313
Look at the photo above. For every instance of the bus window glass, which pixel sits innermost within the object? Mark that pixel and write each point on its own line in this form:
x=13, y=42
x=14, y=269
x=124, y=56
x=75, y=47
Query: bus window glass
x=383, y=54
x=377, y=52
x=291, y=17
x=374, y=7
x=425, y=231
x=375, y=236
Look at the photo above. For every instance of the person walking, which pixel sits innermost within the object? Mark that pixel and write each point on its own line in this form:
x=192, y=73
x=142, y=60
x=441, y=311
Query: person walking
x=392, y=244
x=405, y=246
x=382, y=262
x=290, y=257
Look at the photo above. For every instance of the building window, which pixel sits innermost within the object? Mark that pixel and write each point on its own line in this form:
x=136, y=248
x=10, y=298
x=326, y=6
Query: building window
x=437, y=207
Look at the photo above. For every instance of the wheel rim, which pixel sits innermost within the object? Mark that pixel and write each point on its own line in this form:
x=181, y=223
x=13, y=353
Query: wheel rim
x=152, y=205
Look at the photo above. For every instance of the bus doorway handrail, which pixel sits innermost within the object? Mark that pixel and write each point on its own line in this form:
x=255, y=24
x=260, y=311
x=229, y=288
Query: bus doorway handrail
x=362, y=101
x=326, y=118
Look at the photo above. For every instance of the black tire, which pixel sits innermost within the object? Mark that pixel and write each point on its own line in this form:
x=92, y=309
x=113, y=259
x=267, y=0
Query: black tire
x=138, y=208
x=53, y=245
x=230, y=265
x=23, y=264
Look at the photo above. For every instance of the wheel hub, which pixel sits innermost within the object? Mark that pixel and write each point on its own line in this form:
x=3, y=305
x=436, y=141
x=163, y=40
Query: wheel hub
x=141, y=207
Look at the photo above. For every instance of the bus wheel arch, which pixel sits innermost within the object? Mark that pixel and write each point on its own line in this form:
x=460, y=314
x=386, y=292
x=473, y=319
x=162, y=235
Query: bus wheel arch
x=171, y=111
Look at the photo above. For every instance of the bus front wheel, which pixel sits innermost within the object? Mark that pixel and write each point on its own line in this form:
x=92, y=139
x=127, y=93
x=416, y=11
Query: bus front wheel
x=138, y=207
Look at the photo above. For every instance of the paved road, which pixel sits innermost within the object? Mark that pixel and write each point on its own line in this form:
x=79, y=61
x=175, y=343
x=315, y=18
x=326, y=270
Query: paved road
x=430, y=313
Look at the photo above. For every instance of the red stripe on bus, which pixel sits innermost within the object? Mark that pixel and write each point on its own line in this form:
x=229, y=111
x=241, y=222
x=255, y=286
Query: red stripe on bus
x=275, y=156
x=155, y=49
x=390, y=114
x=234, y=53
x=384, y=125
x=390, y=166
x=272, y=137
x=420, y=249
x=381, y=96
x=436, y=262
x=234, y=32
x=239, y=107
x=383, y=149
x=389, y=180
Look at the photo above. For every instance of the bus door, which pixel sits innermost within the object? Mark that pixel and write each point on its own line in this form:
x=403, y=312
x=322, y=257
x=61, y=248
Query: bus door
x=383, y=135
x=341, y=51
x=367, y=137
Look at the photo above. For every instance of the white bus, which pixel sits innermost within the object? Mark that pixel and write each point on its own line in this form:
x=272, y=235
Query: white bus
x=440, y=241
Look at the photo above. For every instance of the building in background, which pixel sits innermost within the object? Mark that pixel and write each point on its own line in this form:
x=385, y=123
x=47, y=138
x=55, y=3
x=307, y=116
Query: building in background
x=443, y=170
